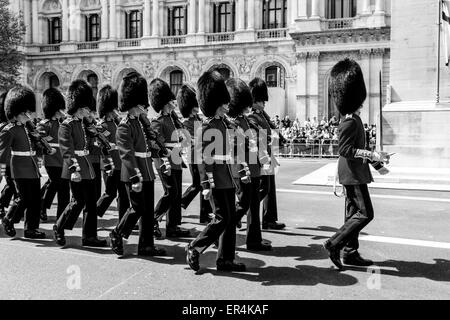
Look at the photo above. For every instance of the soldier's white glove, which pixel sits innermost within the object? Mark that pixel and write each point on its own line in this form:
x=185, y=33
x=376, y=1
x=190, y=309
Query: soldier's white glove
x=75, y=176
x=136, y=187
x=207, y=194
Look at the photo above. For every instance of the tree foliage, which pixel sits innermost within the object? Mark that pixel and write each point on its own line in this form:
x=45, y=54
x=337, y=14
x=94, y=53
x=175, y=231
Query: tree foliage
x=12, y=30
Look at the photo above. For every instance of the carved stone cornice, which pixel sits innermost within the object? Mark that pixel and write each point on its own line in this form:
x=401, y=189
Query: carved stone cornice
x=341, y=36
x=365, y=53
x=313, y=55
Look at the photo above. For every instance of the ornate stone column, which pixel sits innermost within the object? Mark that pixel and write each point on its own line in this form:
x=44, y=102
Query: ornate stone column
x=380, y=6
x=251, y=15
x=240, y=15
x=315, y=9
x=28, y=21
x=201, y=16
x=192, y=13
x=365, y=68
x=112, y=20
x=147, y=18
x=294, y=10
x=35, y=20
x=312, y=66
x=301, y=109
x=65, y=20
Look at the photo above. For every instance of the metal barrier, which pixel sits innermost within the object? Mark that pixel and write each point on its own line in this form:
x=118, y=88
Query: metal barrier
x=309, y=149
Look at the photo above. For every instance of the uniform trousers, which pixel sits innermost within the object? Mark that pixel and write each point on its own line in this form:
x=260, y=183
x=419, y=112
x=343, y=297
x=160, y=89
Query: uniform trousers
x=358, y=213
x=114, y=188
x=28, y=202
x=9, y=190
x=55, y=185
x=222, y=227
x=141, y=209
x=170, y=202
x=248, y=204
x=192, y=191
x=268, y=195
x=83, y=197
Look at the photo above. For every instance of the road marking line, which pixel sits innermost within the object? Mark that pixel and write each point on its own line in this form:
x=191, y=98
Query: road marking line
x=378, y=196
x=410, y=242
x=120, y=283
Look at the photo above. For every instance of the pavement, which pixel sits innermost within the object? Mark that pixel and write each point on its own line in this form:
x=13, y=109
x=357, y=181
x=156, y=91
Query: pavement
x=408, y=240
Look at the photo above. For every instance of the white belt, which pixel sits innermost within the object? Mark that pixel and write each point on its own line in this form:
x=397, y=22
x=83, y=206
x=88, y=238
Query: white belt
x=54, y=145
x=226, y=157
x=23, y=153
x=143, y=154
x=172, y=145
x=81, y=153
x=96, y=144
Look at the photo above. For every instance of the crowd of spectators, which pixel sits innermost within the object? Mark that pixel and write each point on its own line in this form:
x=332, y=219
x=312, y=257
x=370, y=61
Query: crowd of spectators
x=314, y=137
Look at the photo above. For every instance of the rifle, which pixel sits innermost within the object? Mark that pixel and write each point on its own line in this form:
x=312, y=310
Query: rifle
x=283, y=140
x=95, y=132
x=36, y=137
x=152, y=138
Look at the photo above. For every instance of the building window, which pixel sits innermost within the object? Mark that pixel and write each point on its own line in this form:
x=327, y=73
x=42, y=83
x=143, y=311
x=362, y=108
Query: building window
x=93, y=28
x=275, y=76
x=92, y=79
x=224, y=14
x=54, y=30
x=274, y=14
x=177, y=21
x=133, y=22
x=338, y=9
x=53, y=82
x=176, y=81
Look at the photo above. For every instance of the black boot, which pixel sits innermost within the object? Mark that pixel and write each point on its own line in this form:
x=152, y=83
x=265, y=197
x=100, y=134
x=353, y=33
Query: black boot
x=34, y=234
x=116, y=242
x=354, y=259
x=94, y=242
x=230, y=266
x=9, y=227
x=334, y=254
x=59, y=236
x=151, y=251
x=192, y=258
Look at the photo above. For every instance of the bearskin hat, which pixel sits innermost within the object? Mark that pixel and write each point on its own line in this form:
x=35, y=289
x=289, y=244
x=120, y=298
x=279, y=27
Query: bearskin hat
x=133, y=91
x=2, y=107
x=187, y=100
x=107, y=100
x=258, y=89
x=19, y=99
x=52, y=101
x=79, y=96
x=160, y=94
x=347, y=87
x=240, y=96
x=212, y=92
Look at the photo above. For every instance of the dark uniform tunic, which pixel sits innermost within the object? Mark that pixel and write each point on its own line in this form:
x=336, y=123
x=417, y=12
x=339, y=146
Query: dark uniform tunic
x=17, y=148
x=354, y=174
x=216, y=162
x=196, y=187
x=248, y=194
x=170, y=202
x=268, y=192
x=114, y=187
x=75, y=145
x=9, y=190
x=135, y=154
x=48, y=129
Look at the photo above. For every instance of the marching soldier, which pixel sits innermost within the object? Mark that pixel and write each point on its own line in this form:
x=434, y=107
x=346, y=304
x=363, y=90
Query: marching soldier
x=133, y=141
x=107, y=102
x=348, y=90
x=9, y=190
x=258, y=119
x=217, y=180
x=166, y=125
x=188, y=105
x=75, y=144
x=249, y=164
x=17, y=147
x=53, y=105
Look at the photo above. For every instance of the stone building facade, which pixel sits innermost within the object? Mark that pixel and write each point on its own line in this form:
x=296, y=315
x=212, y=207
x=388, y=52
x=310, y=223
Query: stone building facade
x=291, y=43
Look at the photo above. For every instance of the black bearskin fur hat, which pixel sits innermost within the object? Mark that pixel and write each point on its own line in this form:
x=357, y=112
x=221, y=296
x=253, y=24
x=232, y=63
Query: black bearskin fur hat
x=2, y=107
x=160, y=94
x=133, y=91
x=347, y=87
x=79, y=96
x=258, y=89
x=19, y=99
x=240, y=96
x=52, y=102
x=212, y=92
x=107, y=100
x=187, y=100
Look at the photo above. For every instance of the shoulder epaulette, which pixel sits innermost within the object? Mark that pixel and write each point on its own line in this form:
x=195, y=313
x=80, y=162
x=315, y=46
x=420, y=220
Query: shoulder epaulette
x=68, y=120
x=349, y=116
x=9, y=126
x=44, y=121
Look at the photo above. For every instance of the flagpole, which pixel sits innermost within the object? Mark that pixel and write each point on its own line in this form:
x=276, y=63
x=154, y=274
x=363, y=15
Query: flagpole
x=439, y=53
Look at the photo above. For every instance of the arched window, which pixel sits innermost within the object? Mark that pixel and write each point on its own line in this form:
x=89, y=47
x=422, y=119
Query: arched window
x=93, y=27
x=54, y=30
x=337, y=9
x=275, y=76
x=92, y=79
x=53, y=81
x=176, y=81
x=274, y=14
